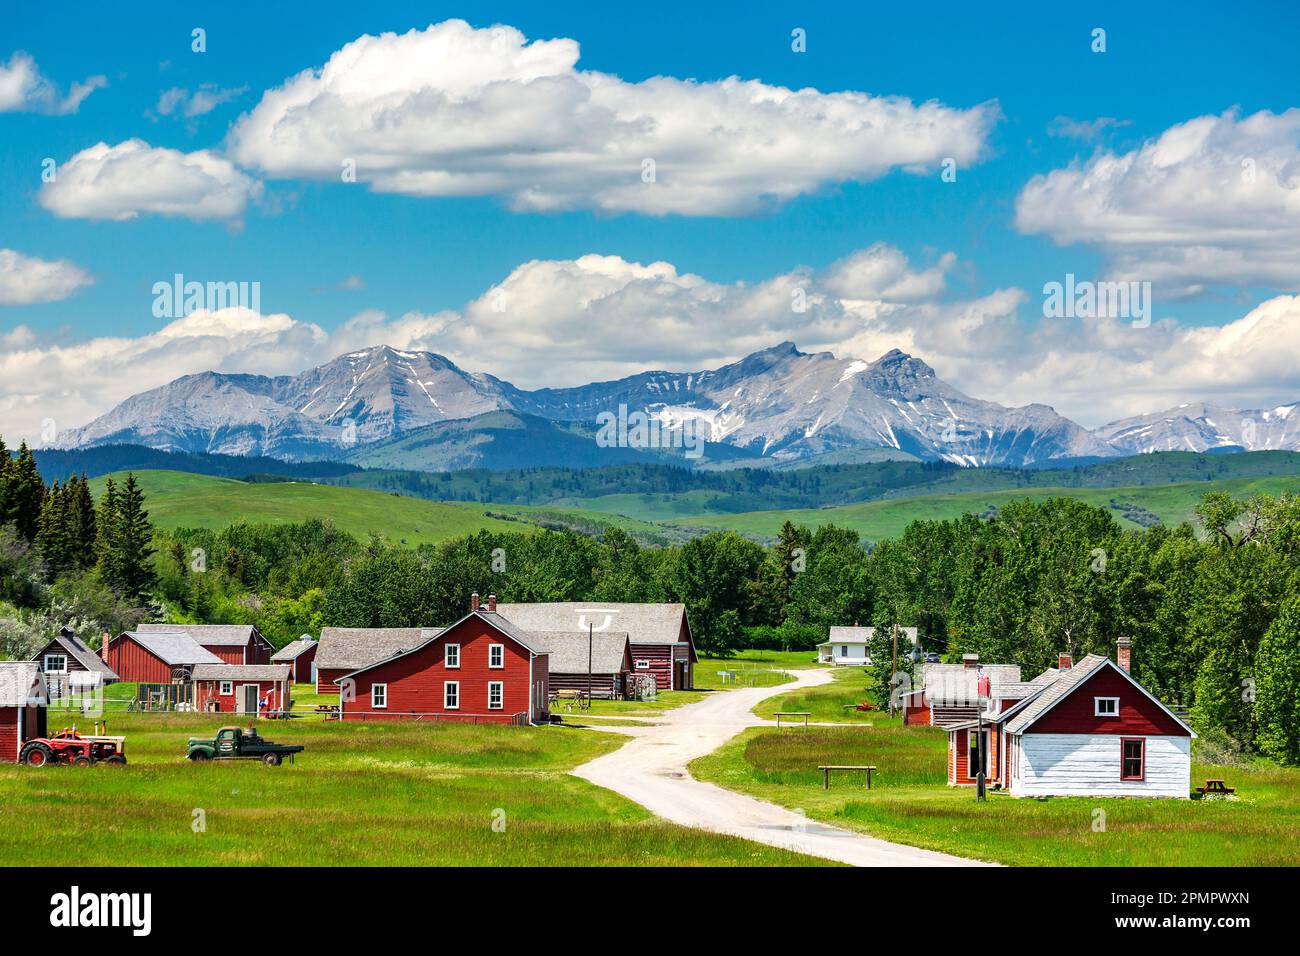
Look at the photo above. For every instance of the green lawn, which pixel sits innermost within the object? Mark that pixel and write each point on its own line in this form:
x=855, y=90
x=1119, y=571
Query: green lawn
x=827, y=702
x=877, y=520
x=753, y=668
x=910, y=803
x=372, y=795
x=176, y=500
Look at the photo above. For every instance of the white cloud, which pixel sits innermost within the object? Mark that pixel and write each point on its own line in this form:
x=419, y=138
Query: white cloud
x=455, y=111
x=1067, y=127
x=26, y=280
x=24, y=89
x=568, y=322
x=1213, y=201
x=121, y=182
x=181, y=102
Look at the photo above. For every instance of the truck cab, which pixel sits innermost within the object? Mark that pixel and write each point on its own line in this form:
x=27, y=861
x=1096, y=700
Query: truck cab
x=238, y=743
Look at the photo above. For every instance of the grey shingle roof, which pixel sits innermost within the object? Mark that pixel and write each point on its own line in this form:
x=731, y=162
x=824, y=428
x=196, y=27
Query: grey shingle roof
x=568, y=651
x=1065, y=682
x=21, y=682
x=77, y=648
x=173, y=647
x=956, y=682
x=290, y=652
x=226, y=635
x=355, y=647
x=850, y=635
x=643, y=623
x=241, y=672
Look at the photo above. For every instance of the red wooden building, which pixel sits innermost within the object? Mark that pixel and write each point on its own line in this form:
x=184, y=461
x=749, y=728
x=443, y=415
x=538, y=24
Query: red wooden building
x=242, y=688
x=23, y=703
x=658, y=634
x=482, y=669
x=301, y=658
x=343, y=650
x=232, y=643
x=155, y=657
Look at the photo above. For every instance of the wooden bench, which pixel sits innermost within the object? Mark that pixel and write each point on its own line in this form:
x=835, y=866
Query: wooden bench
x=792, y=713
x=1215, y=786
x=866, y=769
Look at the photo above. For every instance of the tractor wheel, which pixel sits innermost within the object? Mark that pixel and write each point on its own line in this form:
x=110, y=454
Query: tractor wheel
x=36, y=755
x=81, y=760
x=116, y=760
x=271, y=760
x=199, y=756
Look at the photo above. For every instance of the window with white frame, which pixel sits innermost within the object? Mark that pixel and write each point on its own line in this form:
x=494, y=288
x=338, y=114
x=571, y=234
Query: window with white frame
x=641, y=665
x=451, y=694
x=452, y=655
x=56, y=663
x=1105, y=706
x=496, y=694
x=227, y=688
x=379, y=696
x=496, y=656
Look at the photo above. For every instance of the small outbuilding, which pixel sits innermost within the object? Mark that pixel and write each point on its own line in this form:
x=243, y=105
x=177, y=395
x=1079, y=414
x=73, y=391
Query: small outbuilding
x=24, y=700
x=242, y=688
x=67, y=661
x=301, y=658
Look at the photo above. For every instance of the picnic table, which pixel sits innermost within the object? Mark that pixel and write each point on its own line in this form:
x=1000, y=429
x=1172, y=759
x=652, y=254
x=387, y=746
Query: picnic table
x=571, y=697
x=1215, y=786
x=792, y=713
x=826, y=769
x=729, y=676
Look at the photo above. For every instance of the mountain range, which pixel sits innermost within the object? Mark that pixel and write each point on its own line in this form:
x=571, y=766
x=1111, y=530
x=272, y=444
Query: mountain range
x=385, y=407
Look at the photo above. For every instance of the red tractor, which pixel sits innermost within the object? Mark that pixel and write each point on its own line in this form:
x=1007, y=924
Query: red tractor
x=70, y=747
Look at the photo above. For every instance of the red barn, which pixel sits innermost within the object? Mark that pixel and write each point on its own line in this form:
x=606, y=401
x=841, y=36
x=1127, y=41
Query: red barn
x=346, y=649
x=1086, y=729
x=481, y=669
x=658, y=634
x=301, y=658
x=232, y=643
x=241, y=688
x=155, y=657
x=23, y=703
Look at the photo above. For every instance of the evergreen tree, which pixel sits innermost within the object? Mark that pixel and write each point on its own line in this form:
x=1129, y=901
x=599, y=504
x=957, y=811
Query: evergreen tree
x=1277, y=686
x=82, y=522
x=53, y=540
x=107, y=546
x=135, y=540
x=25, y=494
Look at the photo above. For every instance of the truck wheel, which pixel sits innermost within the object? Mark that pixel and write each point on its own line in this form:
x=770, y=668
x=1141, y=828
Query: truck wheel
x=81, y=760
x=35, y=755
x=199, y=756
x=271, y=760
x=116, y=760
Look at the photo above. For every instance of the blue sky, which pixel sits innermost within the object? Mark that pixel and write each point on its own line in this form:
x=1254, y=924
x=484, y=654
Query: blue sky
x=1165, y=64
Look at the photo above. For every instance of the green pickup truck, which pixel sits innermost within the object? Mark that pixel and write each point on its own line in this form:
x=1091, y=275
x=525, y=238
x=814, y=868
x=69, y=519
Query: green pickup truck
x=236, y=743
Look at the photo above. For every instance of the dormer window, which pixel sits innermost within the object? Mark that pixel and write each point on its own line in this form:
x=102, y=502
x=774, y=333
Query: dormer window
x=1105, y=706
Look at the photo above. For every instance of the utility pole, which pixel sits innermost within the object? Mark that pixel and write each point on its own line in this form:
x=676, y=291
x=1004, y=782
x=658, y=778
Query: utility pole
x=893, y=671
x=590, y=640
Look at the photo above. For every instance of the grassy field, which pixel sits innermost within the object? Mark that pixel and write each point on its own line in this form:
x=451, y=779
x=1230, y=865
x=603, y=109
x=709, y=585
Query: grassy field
x=876, y=520
x=174, y=499
x=826, y=703
x=910, y=803
x=369, y=795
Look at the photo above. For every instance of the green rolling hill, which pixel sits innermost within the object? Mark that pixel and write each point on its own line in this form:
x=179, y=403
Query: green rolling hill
x=175, y=499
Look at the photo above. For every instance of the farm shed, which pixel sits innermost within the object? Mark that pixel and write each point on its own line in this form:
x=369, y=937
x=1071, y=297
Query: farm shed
x=301, y=658
x=346, y=649
x=482, y=669
x=232, y=643
x=1085, y=729
x=154, y=657
x=239, y=688
x=23, y=703
x=65, y=655
x=610, y=661
x=659, y=634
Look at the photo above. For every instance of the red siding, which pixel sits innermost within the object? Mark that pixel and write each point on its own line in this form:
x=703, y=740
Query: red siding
x=9, y=742
x=415, y=681
x=301, y=666
x=917, y=716
x=1138, y=714
x=660, y=657
x=207, y=690
x=229, y=654
x=327, y=678
x=254, y=652
x=135, y=663
x=958, y=747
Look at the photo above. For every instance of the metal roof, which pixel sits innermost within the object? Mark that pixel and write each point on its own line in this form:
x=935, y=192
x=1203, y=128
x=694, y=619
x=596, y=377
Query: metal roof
x=568, y=651
x=355, y=647
x=173, y=647
x=21, y=684
x=241, y=672
x=225, y=635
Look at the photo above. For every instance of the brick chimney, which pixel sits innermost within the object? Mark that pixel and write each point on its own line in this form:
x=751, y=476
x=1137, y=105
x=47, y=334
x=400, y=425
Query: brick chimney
x=473, y=601
x=970, y=660
x=103, y=646
x=492, y=604
x=1124, y=654
x=1064, y=661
